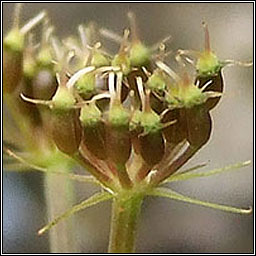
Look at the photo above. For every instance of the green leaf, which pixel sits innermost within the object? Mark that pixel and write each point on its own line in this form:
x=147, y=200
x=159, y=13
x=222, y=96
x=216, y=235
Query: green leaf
x=168, y=193
x=93, y=200
x=187, y=175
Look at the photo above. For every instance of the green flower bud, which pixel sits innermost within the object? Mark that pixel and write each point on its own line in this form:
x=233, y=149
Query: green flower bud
x=63, y=99
x=90, y=115
x=29, y=68
x=14, y=41
x=86, y=85
x=99, y=60
x=156, y=82
x=118, y=117
x=139, y=55
x=150, y=121
x=192, y=96
x=44, y=58
x=208, y=64
x=185, y=94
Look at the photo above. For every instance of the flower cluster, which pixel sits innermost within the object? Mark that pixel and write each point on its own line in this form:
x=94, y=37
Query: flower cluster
x=128, y=118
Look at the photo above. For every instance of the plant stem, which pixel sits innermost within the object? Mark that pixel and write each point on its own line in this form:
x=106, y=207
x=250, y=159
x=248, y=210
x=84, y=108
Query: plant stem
x=125, y=213
x=59, y=198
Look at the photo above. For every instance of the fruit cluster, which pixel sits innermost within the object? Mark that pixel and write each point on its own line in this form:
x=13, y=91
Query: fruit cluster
x=128, y=116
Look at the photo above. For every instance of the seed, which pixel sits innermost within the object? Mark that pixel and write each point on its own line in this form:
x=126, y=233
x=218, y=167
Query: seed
x=175, y=133
x=152, y=147
x=118, y=135
x=94, y=134
x=66, y=130
x=199, y=125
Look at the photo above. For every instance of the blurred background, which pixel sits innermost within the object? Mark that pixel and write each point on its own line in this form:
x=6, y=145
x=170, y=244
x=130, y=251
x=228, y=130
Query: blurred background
x=166, y=226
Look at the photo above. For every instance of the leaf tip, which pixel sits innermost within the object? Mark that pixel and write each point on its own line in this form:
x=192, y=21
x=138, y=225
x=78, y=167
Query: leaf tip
x=41, y=231
x=247, y=211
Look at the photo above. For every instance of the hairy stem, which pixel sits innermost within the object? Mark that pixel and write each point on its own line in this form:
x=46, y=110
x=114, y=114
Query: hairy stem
x=125, y=213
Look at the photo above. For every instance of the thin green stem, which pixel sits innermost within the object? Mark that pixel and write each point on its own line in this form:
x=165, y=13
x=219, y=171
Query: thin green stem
x=125, y=213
